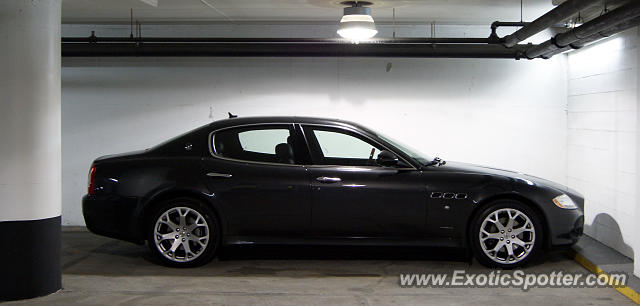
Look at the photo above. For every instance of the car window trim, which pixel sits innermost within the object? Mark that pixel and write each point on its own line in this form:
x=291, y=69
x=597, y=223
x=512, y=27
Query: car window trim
x=302, y=125
x=212, y=151
x=340, y=127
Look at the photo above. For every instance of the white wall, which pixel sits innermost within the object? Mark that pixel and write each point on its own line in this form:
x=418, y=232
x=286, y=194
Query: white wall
x=489, y=112
x=602, y=138
x=501, y=113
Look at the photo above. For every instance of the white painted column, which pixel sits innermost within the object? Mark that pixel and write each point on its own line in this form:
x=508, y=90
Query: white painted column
x=30, y=148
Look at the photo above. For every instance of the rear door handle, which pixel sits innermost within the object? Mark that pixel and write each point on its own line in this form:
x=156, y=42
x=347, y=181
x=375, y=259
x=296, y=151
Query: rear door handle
x=214, y=174
x=326, y=179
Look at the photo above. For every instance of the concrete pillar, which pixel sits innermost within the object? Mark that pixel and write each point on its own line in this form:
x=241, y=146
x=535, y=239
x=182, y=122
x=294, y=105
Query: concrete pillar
x=30, y=161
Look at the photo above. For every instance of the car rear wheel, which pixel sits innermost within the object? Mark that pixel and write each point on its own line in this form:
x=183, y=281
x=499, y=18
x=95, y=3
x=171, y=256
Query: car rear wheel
x=183, y=233
x=506, y=234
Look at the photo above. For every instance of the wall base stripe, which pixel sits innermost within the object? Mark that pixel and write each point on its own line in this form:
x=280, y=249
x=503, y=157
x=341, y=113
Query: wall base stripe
x=31, y=261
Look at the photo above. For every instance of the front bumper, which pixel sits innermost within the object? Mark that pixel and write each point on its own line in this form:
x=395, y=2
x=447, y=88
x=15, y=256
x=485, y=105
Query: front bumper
x=565, y=226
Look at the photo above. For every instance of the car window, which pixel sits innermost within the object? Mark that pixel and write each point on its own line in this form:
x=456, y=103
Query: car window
x=262, y=141
x=270, y=144
x=337, y=147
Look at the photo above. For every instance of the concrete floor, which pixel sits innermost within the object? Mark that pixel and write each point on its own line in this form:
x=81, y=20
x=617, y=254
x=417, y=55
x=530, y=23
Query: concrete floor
x=99, y=270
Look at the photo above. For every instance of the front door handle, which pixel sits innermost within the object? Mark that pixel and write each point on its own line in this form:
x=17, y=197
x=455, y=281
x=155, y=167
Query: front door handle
x=214, y=174
x=326, y=179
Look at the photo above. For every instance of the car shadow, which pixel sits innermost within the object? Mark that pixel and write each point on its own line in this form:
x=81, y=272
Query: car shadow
x=88, y=254
x=341, y=253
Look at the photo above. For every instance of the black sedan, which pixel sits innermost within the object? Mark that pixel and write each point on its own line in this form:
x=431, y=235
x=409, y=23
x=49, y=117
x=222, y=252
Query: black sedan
x=295, y=180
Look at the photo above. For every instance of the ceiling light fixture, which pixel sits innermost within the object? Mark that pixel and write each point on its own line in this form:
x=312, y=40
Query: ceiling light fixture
x=357, y=24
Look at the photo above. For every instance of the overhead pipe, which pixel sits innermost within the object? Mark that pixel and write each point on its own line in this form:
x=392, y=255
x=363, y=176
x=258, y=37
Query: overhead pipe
x=496, y=24
x=595, y=37
x=604, y=22
x=284, y=49
x=412, y=40
x=606, y=33
x=556, y=15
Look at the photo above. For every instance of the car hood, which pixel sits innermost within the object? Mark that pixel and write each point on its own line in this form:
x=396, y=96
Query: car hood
x=459, y=167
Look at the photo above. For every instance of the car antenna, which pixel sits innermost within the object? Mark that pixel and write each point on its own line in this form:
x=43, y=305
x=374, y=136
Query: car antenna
x=232, y=116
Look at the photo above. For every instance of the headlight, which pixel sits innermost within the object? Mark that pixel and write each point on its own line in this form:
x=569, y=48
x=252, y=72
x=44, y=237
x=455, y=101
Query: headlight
x=564, y=201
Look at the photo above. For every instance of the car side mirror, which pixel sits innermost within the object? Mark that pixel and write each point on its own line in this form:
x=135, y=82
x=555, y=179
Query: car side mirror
x=387, y=159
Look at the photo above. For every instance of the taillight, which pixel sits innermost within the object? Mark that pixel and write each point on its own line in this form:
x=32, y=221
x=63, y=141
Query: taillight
x=92, y=179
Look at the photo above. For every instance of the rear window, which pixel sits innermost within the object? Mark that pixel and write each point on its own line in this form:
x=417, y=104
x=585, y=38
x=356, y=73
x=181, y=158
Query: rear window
x=269, y=144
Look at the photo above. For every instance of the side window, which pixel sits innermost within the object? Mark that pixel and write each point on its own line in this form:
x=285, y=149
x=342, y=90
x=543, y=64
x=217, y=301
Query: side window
x=262, y=141
x=270, y=144
x=337, y=147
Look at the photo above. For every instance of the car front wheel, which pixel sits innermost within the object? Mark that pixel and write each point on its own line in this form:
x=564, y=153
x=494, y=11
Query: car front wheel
x=506, y=234
x=183, y=233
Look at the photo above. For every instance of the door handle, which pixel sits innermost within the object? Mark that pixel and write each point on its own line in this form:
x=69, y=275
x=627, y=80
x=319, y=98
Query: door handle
x=214, y=174
x=326, y=179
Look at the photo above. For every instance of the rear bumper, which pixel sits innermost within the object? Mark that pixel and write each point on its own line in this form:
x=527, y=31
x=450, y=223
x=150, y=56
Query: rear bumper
x=111, y=217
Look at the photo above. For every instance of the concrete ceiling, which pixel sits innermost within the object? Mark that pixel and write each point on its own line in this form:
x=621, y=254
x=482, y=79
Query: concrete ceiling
x=297, y=11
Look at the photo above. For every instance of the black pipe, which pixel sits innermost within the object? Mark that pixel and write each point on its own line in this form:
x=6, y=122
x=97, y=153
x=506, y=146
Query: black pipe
x=606, y=33
x=556, y=15
x=595, y=37
x=497, y=24
x=291, y=50
x=604, y=22
x=412, y=40
x=494, y=38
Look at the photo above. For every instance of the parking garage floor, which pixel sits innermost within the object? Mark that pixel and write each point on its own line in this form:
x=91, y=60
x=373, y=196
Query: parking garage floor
x=99, y=270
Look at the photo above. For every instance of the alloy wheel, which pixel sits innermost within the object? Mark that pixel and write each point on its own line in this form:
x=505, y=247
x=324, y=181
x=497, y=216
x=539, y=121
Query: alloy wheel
x=181, y=234
x=507, y=236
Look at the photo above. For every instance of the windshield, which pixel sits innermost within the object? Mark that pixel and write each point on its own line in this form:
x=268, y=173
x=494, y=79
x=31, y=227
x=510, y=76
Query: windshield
x=413, y=153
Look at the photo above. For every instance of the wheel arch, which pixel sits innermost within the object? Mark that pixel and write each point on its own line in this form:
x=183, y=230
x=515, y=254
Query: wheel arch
x=509, y=196
x=147, y=207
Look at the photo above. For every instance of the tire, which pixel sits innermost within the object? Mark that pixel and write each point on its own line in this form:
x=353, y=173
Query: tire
x=183, y=242
x=497, y=243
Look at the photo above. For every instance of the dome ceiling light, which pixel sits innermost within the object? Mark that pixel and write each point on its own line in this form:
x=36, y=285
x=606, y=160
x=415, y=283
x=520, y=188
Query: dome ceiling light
x=357, y=24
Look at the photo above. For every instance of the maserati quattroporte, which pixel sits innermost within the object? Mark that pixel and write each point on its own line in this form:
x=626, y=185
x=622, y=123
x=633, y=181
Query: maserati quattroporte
x=295, y=180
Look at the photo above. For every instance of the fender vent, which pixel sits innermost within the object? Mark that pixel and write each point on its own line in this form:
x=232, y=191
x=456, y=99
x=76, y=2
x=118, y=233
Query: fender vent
x=461, y=196
x=448, y=195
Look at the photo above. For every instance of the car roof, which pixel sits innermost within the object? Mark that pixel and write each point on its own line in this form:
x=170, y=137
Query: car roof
x=282, y=119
